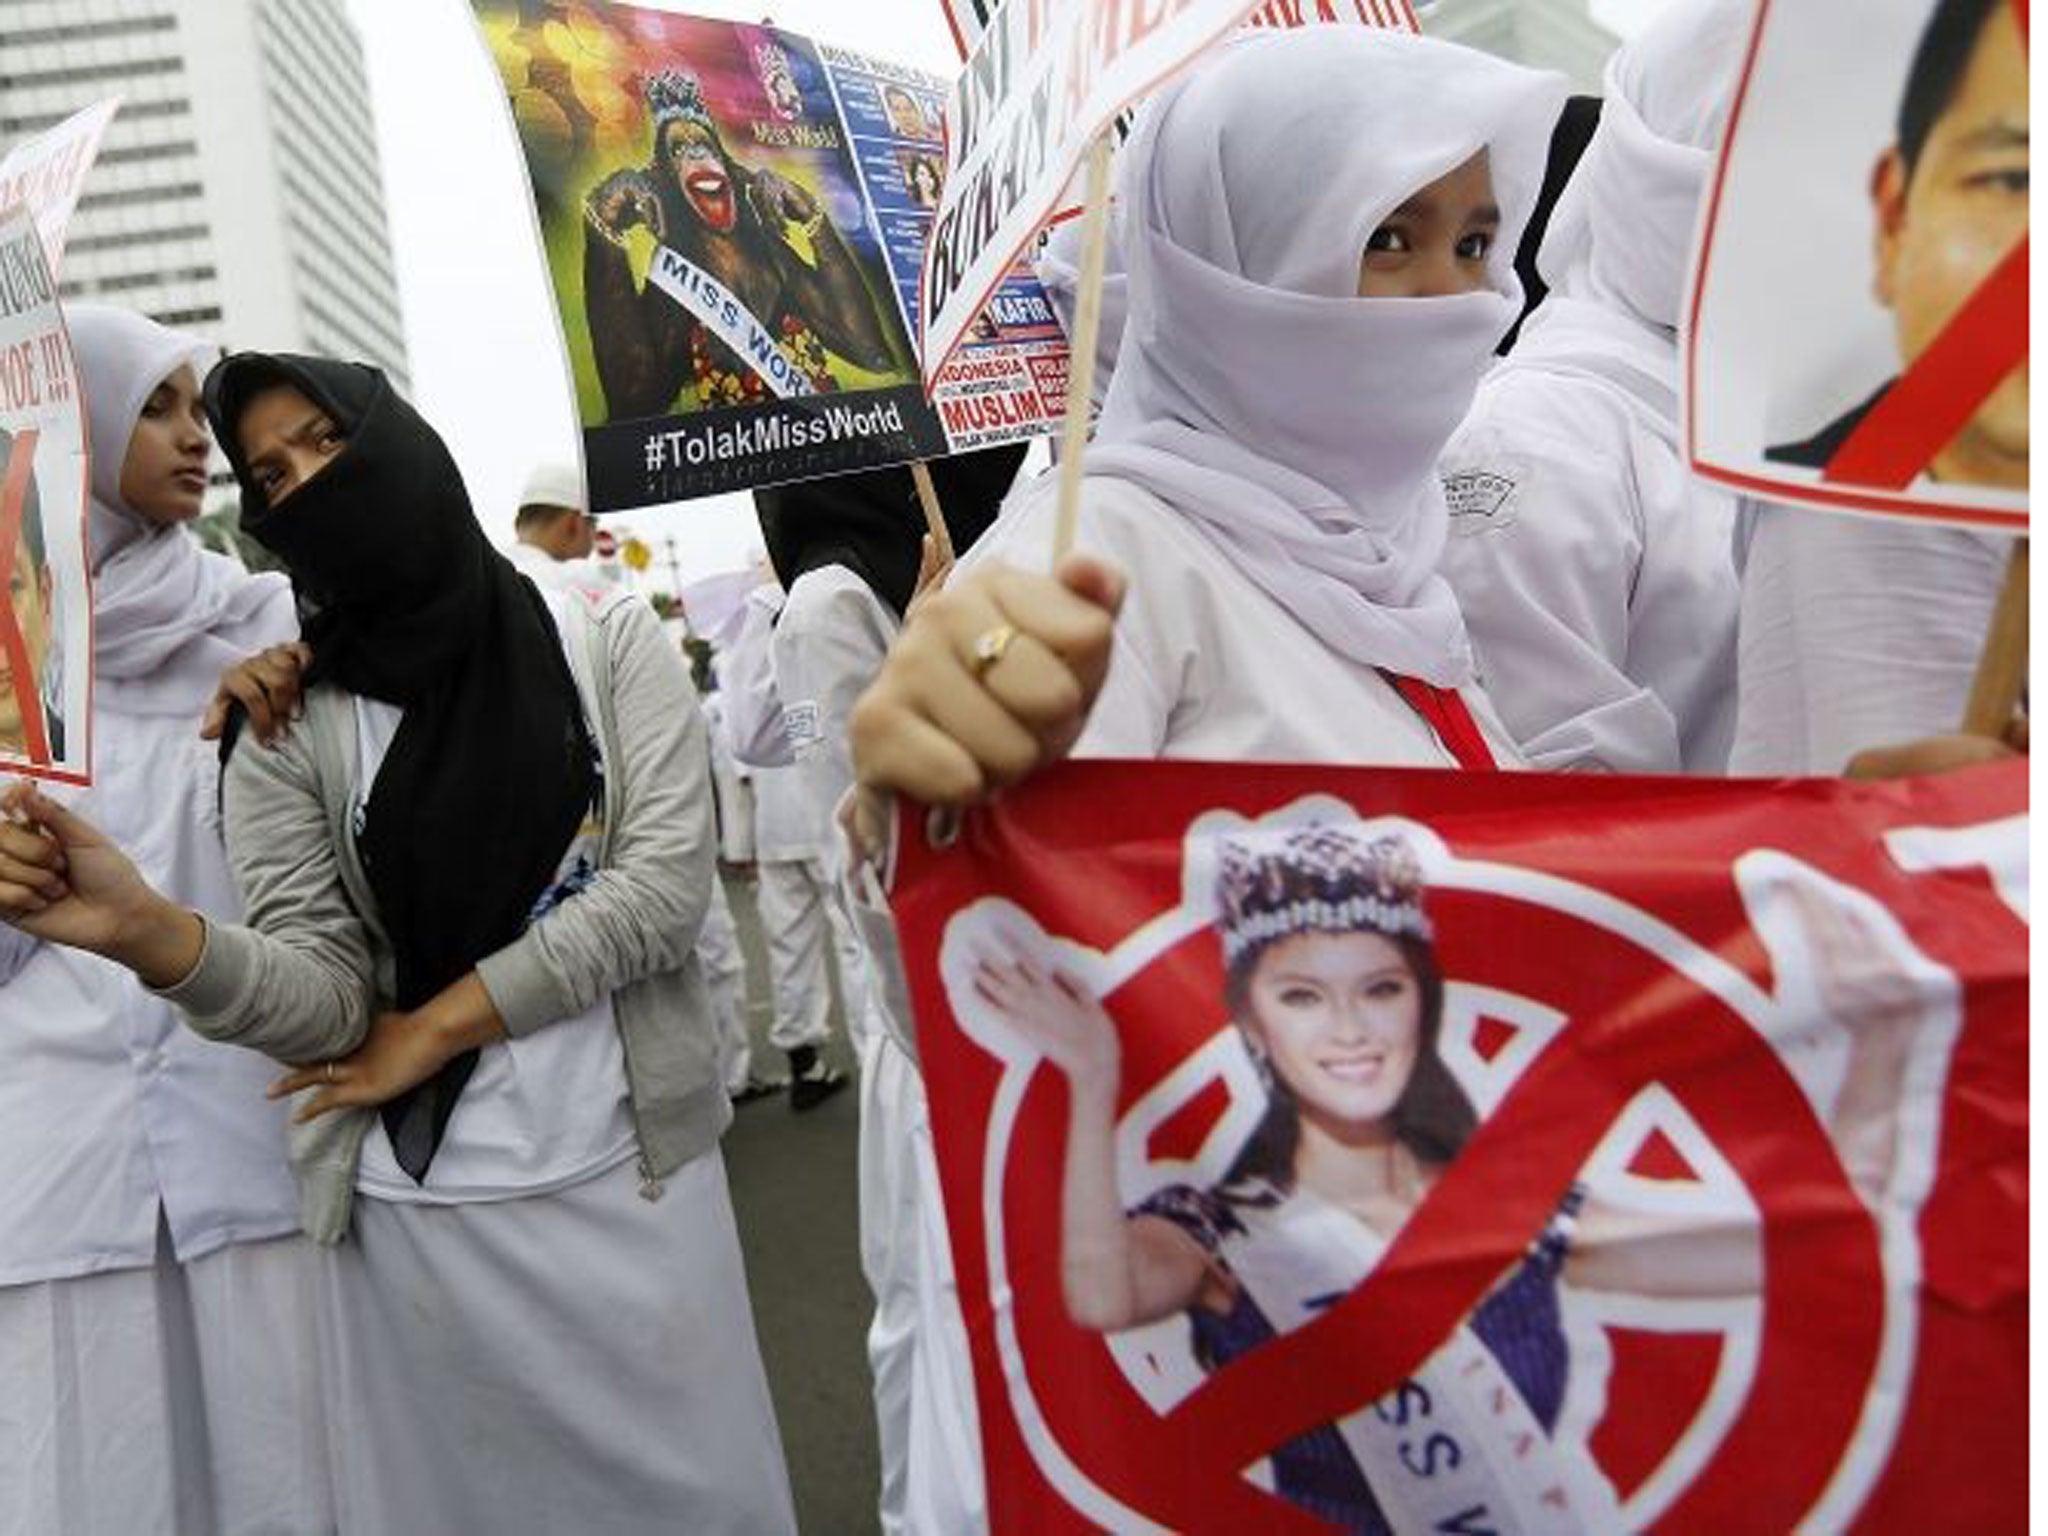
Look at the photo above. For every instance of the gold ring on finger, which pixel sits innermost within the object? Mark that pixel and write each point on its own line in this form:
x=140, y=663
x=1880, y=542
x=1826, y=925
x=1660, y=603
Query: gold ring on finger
x=990, y=645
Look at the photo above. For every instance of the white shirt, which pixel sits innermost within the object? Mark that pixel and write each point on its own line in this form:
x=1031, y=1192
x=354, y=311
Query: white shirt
x=1207, y=665
x=791, y=680
x=753, y=706
x=541, y=1111
x=1857, y=632
x=1596, y=576
x=733, y=786
x=830, y=645
x=109, y=1106
x=548, y=573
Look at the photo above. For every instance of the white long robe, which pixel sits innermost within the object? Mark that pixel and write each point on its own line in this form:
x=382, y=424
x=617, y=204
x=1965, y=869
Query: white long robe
x=160, y=1381
x=1597, y=577
x=1856, y=633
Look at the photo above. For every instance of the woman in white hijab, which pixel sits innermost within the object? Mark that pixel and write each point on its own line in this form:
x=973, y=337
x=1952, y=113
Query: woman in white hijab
x=1597, y=575
x=155, y=1308
x=1319, y=228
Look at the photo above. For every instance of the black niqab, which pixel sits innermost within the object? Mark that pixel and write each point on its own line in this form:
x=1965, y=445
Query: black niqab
x=870, y=521
x=403, y=599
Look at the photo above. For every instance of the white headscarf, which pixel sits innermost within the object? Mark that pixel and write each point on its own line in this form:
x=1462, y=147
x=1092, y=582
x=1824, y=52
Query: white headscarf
x=1616, y=252
x=1294, y=423
x=168, y=616
x=1058, y=267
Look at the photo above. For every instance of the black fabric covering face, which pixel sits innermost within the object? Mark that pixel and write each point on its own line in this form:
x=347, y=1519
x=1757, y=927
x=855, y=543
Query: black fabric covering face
x=870, y=521
x=1568, y=141
x=403, y=599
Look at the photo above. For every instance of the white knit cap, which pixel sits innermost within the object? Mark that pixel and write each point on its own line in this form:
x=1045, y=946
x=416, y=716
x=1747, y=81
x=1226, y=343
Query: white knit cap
x=554, y=485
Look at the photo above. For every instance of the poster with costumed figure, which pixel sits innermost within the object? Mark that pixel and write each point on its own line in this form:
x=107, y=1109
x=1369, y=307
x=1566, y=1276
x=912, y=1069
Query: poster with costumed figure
x=733, y=218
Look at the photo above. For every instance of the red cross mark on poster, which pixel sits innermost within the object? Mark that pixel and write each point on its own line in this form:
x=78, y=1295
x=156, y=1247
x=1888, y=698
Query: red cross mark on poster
x=1636, y=1022
x=1937, y=396
x=14, y=483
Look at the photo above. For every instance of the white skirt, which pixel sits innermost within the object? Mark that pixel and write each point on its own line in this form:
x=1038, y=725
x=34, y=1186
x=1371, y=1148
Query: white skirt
x=926, y=1416
x=582, y=1361
x=178, y=1400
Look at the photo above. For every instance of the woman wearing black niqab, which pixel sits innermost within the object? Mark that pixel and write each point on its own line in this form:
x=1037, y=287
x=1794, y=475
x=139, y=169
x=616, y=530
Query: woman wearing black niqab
x=473, y=868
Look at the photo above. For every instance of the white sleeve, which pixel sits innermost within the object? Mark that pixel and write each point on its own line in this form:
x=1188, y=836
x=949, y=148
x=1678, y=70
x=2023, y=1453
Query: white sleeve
x=831, y=643
x=1157, y=630
x=1132, y=712
x=753, y=706
x=1544, y=555
x=1856, y=633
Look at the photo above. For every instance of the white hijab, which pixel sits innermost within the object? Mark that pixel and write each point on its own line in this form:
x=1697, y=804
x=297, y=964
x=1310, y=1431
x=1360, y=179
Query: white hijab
x=1616, y=252
x=168, y=616
x=1058, y=267
x=1296, y=425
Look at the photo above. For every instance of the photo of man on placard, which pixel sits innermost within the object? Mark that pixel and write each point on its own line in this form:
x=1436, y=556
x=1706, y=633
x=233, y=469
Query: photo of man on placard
x=31, y=597
x=1949, y=196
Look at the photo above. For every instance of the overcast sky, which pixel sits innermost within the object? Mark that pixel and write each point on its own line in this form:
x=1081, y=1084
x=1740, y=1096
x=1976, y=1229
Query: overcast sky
x=487, y=365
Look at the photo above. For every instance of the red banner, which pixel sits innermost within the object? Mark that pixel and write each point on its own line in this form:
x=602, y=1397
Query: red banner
x=1388, y=1149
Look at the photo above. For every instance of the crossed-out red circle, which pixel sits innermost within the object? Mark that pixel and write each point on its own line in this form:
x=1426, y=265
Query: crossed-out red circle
x=1634, y=1022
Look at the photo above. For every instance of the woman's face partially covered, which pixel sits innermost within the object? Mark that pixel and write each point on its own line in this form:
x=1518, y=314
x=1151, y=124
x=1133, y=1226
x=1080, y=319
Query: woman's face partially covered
x=1942, y=231
x=1339, y=1015
x=1435, y=244
x=286, y=439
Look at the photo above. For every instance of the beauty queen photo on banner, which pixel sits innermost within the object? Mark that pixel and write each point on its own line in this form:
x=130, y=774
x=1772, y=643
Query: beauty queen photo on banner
x=1430, y=1172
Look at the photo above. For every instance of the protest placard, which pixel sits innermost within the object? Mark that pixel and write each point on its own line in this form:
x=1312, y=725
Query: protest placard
x=1373, y=1149
x=1040, y=81
x=968, y=19
x=1859, y=310
x=46, y=623
x=733, y=218
x=46, y=173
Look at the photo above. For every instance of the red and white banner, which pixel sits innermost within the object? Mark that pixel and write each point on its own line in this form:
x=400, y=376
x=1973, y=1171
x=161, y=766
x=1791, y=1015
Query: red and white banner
x=1884, y=367
x=47, y=172
x=1041, y=79
x=1470, y=1154
x=968, y=19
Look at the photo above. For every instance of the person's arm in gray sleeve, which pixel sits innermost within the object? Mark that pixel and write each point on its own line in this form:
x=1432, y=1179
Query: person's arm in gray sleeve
x=293, y=979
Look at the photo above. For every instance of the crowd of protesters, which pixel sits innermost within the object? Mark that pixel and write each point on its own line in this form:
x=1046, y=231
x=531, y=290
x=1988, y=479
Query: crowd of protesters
x=364, y=1071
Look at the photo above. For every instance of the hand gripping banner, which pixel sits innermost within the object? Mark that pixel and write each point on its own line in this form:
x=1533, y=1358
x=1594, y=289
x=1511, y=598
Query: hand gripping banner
x=1360, y=1149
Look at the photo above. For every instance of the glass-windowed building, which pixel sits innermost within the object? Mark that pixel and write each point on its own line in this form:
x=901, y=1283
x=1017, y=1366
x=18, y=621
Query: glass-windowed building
x=237, y=193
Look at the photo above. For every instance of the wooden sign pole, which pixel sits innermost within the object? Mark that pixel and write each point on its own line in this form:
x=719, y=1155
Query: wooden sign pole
x=934, y=517
x=1081, y=346
x=2002, y=670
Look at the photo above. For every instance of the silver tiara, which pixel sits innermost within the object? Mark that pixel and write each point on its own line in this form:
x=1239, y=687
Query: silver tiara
x=1319, y=878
